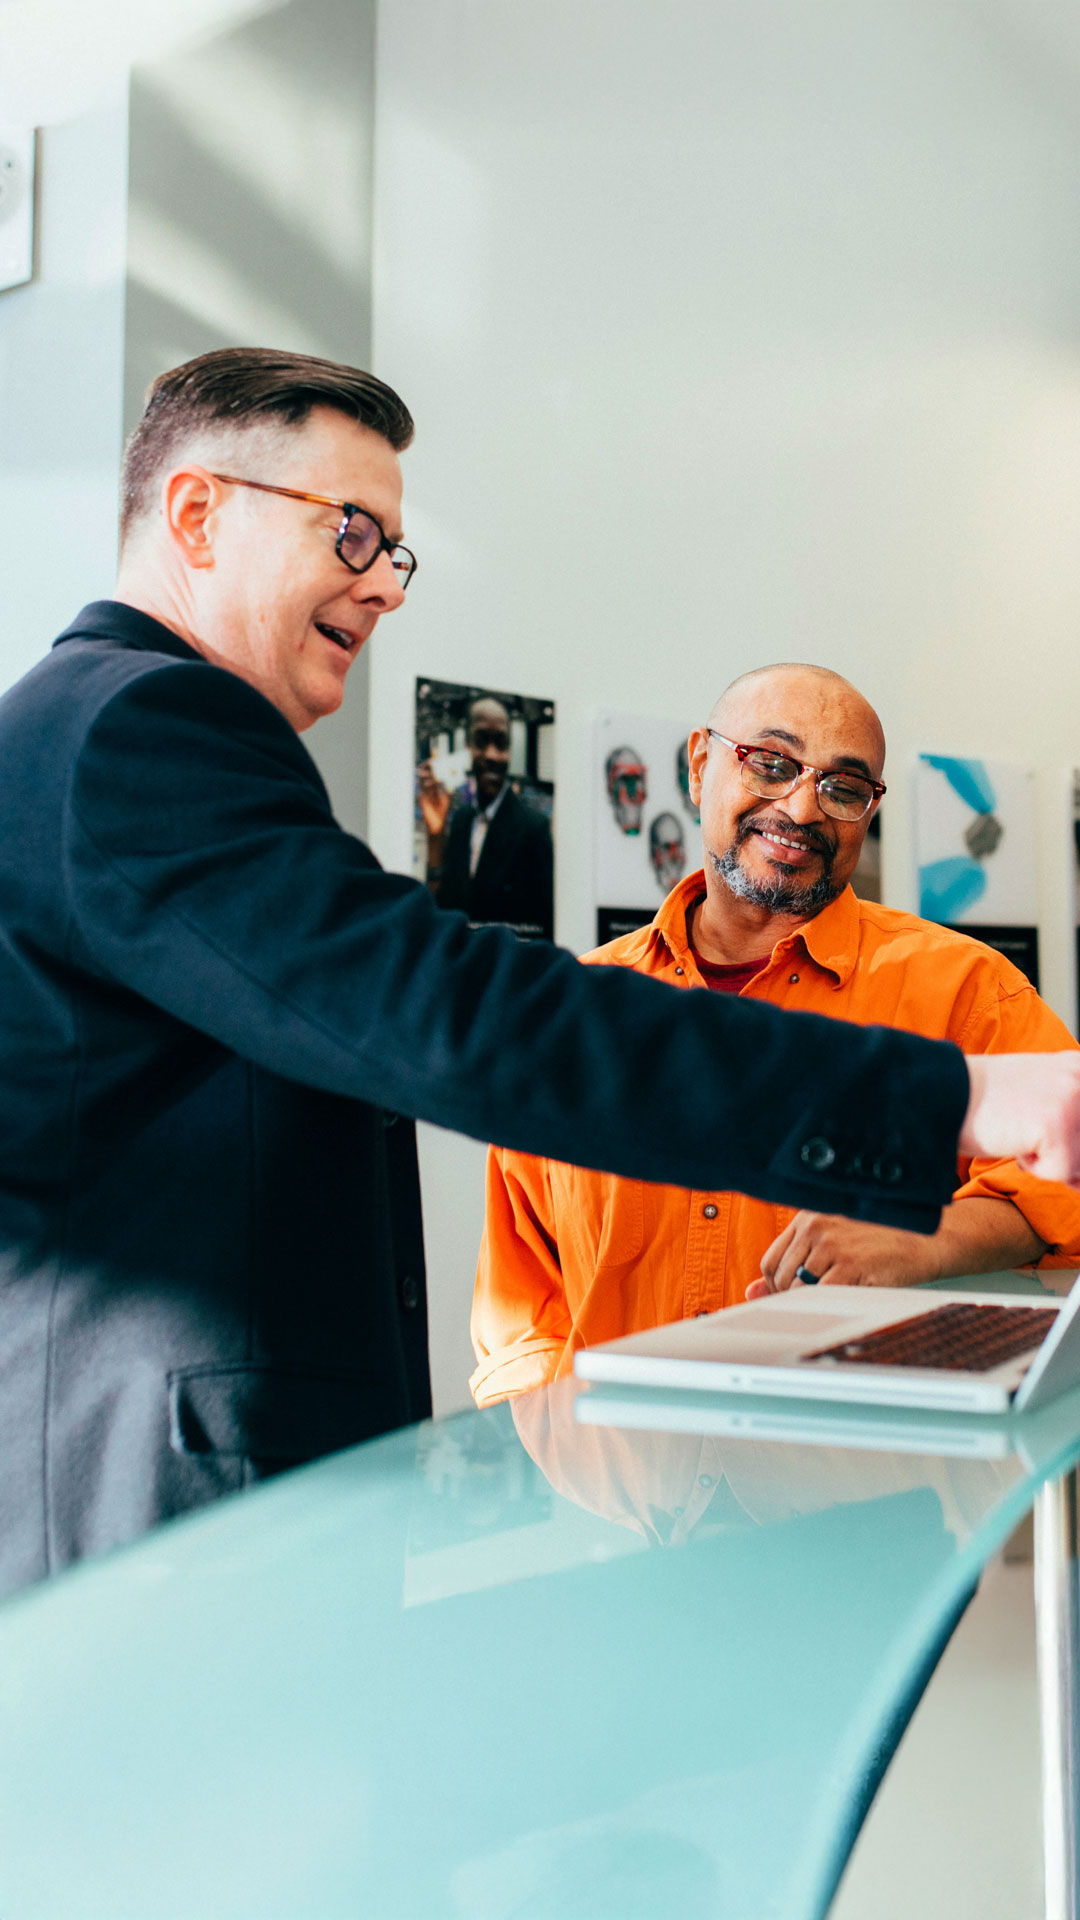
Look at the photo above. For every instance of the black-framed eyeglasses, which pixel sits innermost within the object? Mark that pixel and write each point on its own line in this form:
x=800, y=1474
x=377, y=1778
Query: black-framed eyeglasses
x=360, y=538
x=841, y=795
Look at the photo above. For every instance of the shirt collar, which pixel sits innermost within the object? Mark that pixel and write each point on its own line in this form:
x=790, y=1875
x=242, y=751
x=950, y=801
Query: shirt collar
x=831, y=939
x=488, y=813
x=115, y=620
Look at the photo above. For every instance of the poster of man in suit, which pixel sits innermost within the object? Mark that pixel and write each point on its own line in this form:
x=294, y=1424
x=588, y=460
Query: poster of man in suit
x=484, y=799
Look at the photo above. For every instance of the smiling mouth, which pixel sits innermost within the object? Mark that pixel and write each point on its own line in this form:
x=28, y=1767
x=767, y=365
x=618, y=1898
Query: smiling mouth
x=346, y=641
x=781, y=840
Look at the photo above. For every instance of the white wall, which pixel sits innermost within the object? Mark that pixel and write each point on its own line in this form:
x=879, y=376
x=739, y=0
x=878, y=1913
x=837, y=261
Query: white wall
x=733, y=333
x=219, y=195
x=61, y=380
x=250, y=224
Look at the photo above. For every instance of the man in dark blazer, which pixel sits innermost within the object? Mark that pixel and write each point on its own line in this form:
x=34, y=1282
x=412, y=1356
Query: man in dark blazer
x=218, y=1015
x=497, y=859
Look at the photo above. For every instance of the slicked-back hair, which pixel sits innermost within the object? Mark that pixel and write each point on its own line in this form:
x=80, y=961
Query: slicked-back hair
x=241, y=387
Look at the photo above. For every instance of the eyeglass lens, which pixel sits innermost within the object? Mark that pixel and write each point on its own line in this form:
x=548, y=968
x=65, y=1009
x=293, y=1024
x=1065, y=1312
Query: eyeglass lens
x=844, y=796
x=361, y=543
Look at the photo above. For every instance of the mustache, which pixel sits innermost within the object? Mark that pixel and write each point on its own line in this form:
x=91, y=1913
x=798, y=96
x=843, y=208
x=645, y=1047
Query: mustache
x=807, y=836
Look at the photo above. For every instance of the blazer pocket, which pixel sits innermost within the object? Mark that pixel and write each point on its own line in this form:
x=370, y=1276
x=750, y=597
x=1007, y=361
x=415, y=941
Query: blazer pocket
x=272, y=1413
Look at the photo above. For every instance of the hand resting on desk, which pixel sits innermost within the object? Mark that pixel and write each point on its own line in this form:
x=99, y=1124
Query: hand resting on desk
x=977, y=1235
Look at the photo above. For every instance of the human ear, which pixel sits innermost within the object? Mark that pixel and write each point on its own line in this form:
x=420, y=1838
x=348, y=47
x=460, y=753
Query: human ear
x=190, y=498
x=698, y=748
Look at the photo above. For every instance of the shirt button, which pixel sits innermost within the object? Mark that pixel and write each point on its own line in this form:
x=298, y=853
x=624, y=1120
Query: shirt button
x=410, y=1292
x=710, y=1210
x=678, y=969
x=704, y=1479
x=817, y=1153
x=793, y=979
x=702, y=1313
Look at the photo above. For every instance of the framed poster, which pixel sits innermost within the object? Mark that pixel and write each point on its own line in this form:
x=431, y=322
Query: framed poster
x=483, y=804
x=646, y=828
x=977, y=853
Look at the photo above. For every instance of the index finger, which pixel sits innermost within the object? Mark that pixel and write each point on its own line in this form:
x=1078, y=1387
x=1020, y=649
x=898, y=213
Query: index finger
x=773, y=1255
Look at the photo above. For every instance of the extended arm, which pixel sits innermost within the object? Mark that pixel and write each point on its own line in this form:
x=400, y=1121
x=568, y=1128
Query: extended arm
x=1001, y=1215
x=206, y=872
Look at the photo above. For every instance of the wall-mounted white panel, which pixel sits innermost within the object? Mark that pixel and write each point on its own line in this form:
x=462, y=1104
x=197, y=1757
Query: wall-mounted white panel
x=61, y=385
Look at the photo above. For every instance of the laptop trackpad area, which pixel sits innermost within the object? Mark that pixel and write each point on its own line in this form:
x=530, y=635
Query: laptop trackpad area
x=771, y=1335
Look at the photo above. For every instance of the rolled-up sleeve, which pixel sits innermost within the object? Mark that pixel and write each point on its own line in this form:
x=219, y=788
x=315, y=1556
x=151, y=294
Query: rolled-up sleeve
x=520, y=1317
x=1020, y=1022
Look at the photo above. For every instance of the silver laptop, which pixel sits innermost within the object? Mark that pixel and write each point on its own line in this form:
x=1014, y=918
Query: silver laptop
x=946, y=1351
x=745, y=1416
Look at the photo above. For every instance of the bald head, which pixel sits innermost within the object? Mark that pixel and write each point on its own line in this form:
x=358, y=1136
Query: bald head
x=784, y=700
x=782, y=854
x=488, y=712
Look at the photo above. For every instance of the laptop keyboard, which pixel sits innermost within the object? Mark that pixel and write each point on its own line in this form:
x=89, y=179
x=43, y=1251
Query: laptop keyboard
x=961, y=1337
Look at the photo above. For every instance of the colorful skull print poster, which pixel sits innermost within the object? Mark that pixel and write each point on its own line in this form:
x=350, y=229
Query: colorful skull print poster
x=646, y=830
x=976, y=848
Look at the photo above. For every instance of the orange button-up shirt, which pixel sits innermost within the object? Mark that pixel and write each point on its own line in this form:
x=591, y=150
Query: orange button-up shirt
x=571, y=1257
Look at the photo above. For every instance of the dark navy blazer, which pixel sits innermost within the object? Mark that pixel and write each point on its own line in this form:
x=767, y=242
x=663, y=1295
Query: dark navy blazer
x=213, y=1002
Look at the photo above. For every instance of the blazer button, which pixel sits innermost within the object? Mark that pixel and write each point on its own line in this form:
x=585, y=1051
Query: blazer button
x=710, y=1210
x=817, y=1153
x=410, y=1292
x=888, y=1171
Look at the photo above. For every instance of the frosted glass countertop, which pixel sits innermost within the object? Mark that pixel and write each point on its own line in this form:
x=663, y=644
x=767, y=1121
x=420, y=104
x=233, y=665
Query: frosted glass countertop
x=567, y=1657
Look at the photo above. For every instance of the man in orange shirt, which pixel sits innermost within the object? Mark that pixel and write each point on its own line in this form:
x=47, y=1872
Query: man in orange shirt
x=788, y=777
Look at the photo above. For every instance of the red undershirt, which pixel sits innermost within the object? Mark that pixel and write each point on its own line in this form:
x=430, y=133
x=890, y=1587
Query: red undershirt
x=728, y=979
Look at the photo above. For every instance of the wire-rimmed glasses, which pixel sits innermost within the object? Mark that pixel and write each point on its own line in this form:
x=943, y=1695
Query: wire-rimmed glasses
x=360, y=538
x=842, y=793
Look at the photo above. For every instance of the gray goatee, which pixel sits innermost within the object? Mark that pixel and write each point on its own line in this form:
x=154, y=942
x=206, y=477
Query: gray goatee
x=778, y=896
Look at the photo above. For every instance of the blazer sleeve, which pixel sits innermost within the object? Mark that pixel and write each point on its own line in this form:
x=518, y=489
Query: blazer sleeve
x=204, y=870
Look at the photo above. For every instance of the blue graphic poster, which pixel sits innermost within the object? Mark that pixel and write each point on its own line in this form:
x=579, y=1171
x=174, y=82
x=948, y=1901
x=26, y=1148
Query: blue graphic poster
x=975, y=838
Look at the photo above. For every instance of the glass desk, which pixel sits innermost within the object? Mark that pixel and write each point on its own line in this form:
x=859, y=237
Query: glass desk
x=575, y=1657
